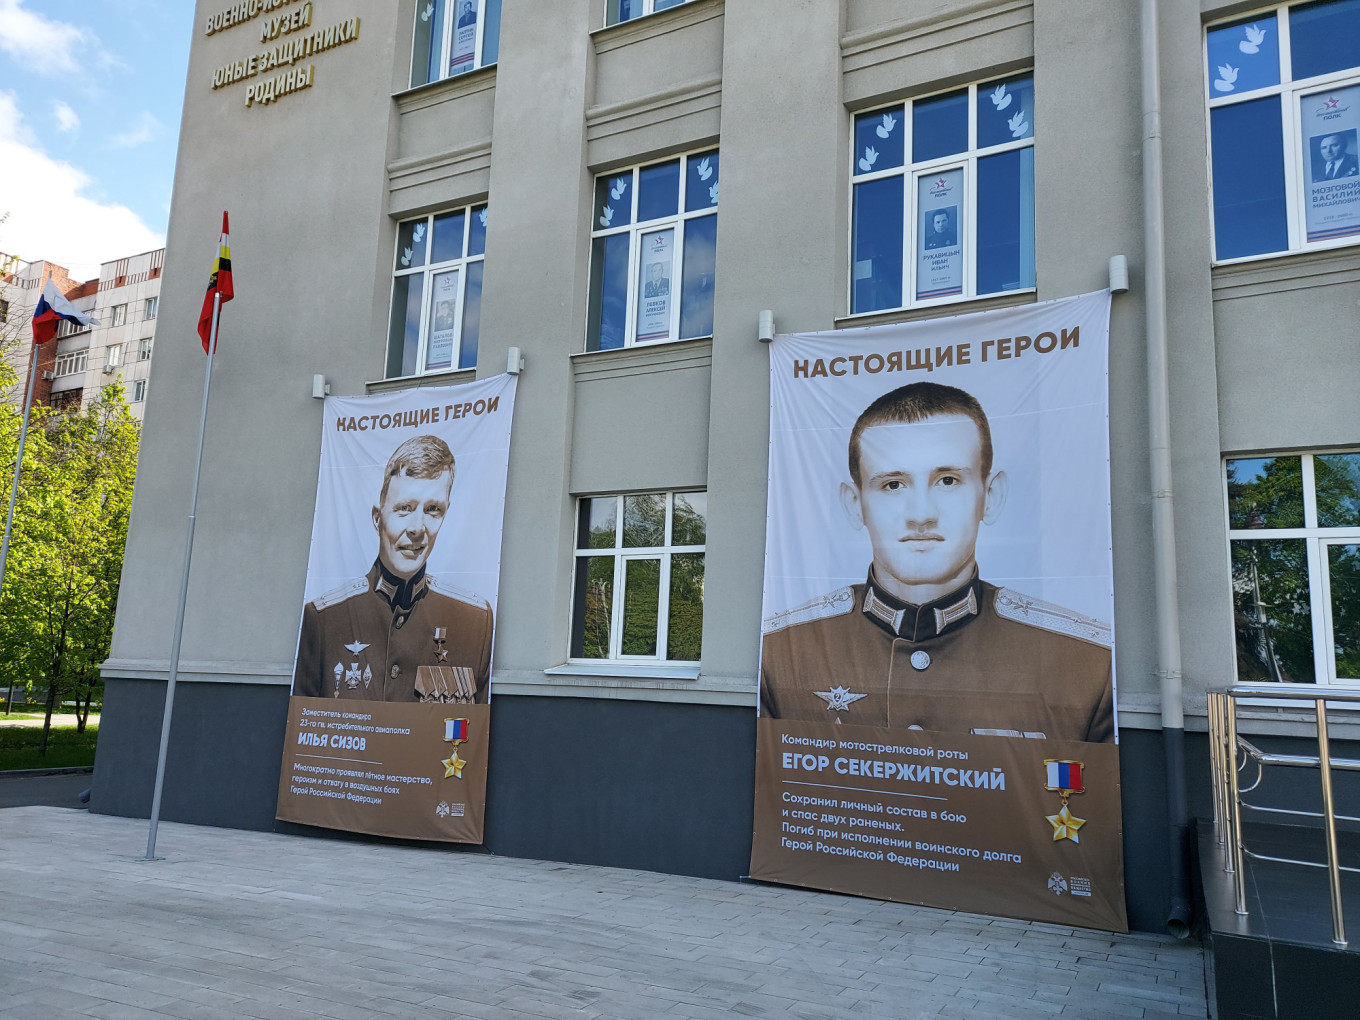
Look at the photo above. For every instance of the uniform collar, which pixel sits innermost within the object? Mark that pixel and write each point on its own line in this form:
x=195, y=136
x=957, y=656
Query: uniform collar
x=397, y=593
x=919, y=623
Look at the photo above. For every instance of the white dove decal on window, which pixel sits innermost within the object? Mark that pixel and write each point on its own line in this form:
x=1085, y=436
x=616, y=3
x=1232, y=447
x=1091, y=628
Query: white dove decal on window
x=418, y=234
x=1018, y=125
x=607, y=216
x=870, y=158
x=1227, y=74
x=886, y=128
x=406, y=256
x=705, y=171
x=713, y=193
x=425, y=14
x=620, y=186
x=481, y=216
x=1252, y=43
x=1000, y=97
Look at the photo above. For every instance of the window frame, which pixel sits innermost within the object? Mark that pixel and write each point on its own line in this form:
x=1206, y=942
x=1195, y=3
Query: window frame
x=1290, y=91
x=113, y=355
x=1316, y=539
x=74, y=363
x=144, y=349
x=648, y=9
x=912, y=172
x=4, y=310
x=623, y=555
x=429, y=270
x=151, y=307
x=635, y=230
x=118, y=315
x=446, y=44
x=138, y=391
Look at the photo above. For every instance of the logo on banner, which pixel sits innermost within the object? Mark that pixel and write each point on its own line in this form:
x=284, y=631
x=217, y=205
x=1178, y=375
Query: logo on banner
x=1065, y=777
x=838, y=699
x=1057, y=884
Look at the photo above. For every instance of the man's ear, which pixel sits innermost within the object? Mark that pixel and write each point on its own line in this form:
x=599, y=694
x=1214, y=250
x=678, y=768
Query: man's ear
x=850, y=503
x=995, y=498
x=377, y=519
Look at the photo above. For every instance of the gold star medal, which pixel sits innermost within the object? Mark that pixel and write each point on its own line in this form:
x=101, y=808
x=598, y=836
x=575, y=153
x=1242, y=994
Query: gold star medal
x=1065, y=777
x=453, y=765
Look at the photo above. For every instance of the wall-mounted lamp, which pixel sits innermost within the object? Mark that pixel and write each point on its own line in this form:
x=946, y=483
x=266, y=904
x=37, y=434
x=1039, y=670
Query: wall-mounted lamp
x=514, y=361
x=766, y=329
x=1119, y=274
x=320, y=388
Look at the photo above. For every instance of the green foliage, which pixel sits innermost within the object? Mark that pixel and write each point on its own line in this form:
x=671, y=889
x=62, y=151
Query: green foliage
x=68, y=747
x=66, y=548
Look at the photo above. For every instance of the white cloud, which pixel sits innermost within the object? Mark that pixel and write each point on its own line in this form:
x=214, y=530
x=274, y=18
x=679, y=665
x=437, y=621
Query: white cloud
x=56, y=220
x=41, y=44
x=67, y=118
x=146, y=128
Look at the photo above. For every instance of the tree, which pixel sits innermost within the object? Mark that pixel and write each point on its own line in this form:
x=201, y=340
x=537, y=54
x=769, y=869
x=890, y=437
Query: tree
x=66, y=551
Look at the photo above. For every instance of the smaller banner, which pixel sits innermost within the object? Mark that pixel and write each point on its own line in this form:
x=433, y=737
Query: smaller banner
x=939, y=260
x=444, y=312
x=654, y=286
x=464, y=52
x=1331, y=162
x=389, y=719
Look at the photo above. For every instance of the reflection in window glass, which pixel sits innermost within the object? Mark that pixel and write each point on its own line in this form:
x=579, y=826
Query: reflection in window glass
x=448, y=237
x=1272, y=611
x=1249, y=206
x=877, y=254
x=688, y=526
x=644, y=520
x=880, y=140
x=596, y=529
x=472, y=316
x=477, y=231
x=1265, y=492
x=1336, y=477
x=407, y=292
x=701, y=256
x=939, y=126
x=686, y=616
x=1324, y=37
x=427, y=57
x=641, y=602
x=659, y=191
x=594, y=602
x=1005, y=110
x=1343, y=574
x=411, y=243
x=1244, y=56
x=1005, y=221
x=608, y=293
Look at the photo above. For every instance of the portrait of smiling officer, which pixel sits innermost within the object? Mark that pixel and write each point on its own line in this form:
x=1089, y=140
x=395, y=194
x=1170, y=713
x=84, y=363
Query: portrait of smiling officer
x=398, y=633
x=924, y=643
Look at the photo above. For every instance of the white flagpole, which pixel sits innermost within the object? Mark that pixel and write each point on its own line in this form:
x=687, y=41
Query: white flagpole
x=183, y=595
x=18, y=466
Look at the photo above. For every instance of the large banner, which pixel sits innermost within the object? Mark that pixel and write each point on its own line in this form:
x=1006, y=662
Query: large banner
x=389, y=720
x=937, y=683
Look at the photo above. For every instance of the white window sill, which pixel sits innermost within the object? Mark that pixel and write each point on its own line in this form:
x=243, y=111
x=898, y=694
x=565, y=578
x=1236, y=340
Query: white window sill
x=625, y=670
x=404, y=382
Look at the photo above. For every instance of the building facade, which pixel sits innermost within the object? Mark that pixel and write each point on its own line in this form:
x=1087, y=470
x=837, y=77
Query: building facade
x=458, y=195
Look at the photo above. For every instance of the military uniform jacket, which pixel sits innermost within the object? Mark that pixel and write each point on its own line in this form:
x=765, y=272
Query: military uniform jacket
x=982, y=660
x=367, y=639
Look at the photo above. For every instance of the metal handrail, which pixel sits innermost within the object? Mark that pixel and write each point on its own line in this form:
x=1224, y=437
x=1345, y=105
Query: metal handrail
x=1224, y=748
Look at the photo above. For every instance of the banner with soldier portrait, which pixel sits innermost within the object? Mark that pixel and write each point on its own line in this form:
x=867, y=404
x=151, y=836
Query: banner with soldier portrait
x=389, y=718
x=937, y=675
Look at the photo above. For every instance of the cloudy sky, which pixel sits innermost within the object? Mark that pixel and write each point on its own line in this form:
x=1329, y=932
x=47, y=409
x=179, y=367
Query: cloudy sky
x=90, y=97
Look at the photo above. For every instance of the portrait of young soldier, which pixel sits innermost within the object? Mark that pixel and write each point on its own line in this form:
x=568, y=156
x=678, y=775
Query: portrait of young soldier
x=398, y=633
x=924, y=642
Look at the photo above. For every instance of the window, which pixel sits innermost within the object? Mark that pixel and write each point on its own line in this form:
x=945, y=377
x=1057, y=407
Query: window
x=67, y=328
x=152, y=303
x=639, y=591
x=139, y=391
x=70, y=363
x=4, y=311
x=115, y=355
x=942, y=204
x=1284, y=115
x=650, y=222
x=144, y=349
x=454, y=36
x=437, y=293
x=118, y=315
x=626, y=10
x=1294, y=531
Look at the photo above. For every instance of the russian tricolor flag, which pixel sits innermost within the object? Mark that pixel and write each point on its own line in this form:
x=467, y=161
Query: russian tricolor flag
x=455, y=729
x=1065, y=775
x=52, y=309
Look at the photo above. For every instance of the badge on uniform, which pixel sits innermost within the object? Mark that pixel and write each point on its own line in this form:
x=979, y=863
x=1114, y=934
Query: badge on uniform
x=1065, y=777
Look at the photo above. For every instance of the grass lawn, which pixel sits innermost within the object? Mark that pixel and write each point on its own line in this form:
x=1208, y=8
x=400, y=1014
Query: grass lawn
x=65, y=748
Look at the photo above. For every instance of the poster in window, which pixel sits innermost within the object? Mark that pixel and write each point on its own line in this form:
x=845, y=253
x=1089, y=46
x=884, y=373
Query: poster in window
x=464, y=52
x=936, y=720
x=1331, y=160
x=654, y=286
x=443, y=321
x=389, y=719
x=939, y=259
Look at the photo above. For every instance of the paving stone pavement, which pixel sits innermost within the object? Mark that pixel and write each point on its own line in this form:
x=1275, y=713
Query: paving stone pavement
x=249, y=924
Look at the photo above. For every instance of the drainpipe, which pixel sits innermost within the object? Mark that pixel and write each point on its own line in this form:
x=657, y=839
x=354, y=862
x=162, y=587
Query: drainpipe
x=1163, y=508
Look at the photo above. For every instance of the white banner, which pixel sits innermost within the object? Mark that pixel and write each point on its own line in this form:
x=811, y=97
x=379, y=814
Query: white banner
x=404, y=568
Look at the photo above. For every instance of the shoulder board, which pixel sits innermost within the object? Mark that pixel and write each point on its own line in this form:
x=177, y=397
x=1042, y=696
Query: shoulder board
x=823, y=607
x=1012, y=605
x=337, y=595
x=461, y=594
